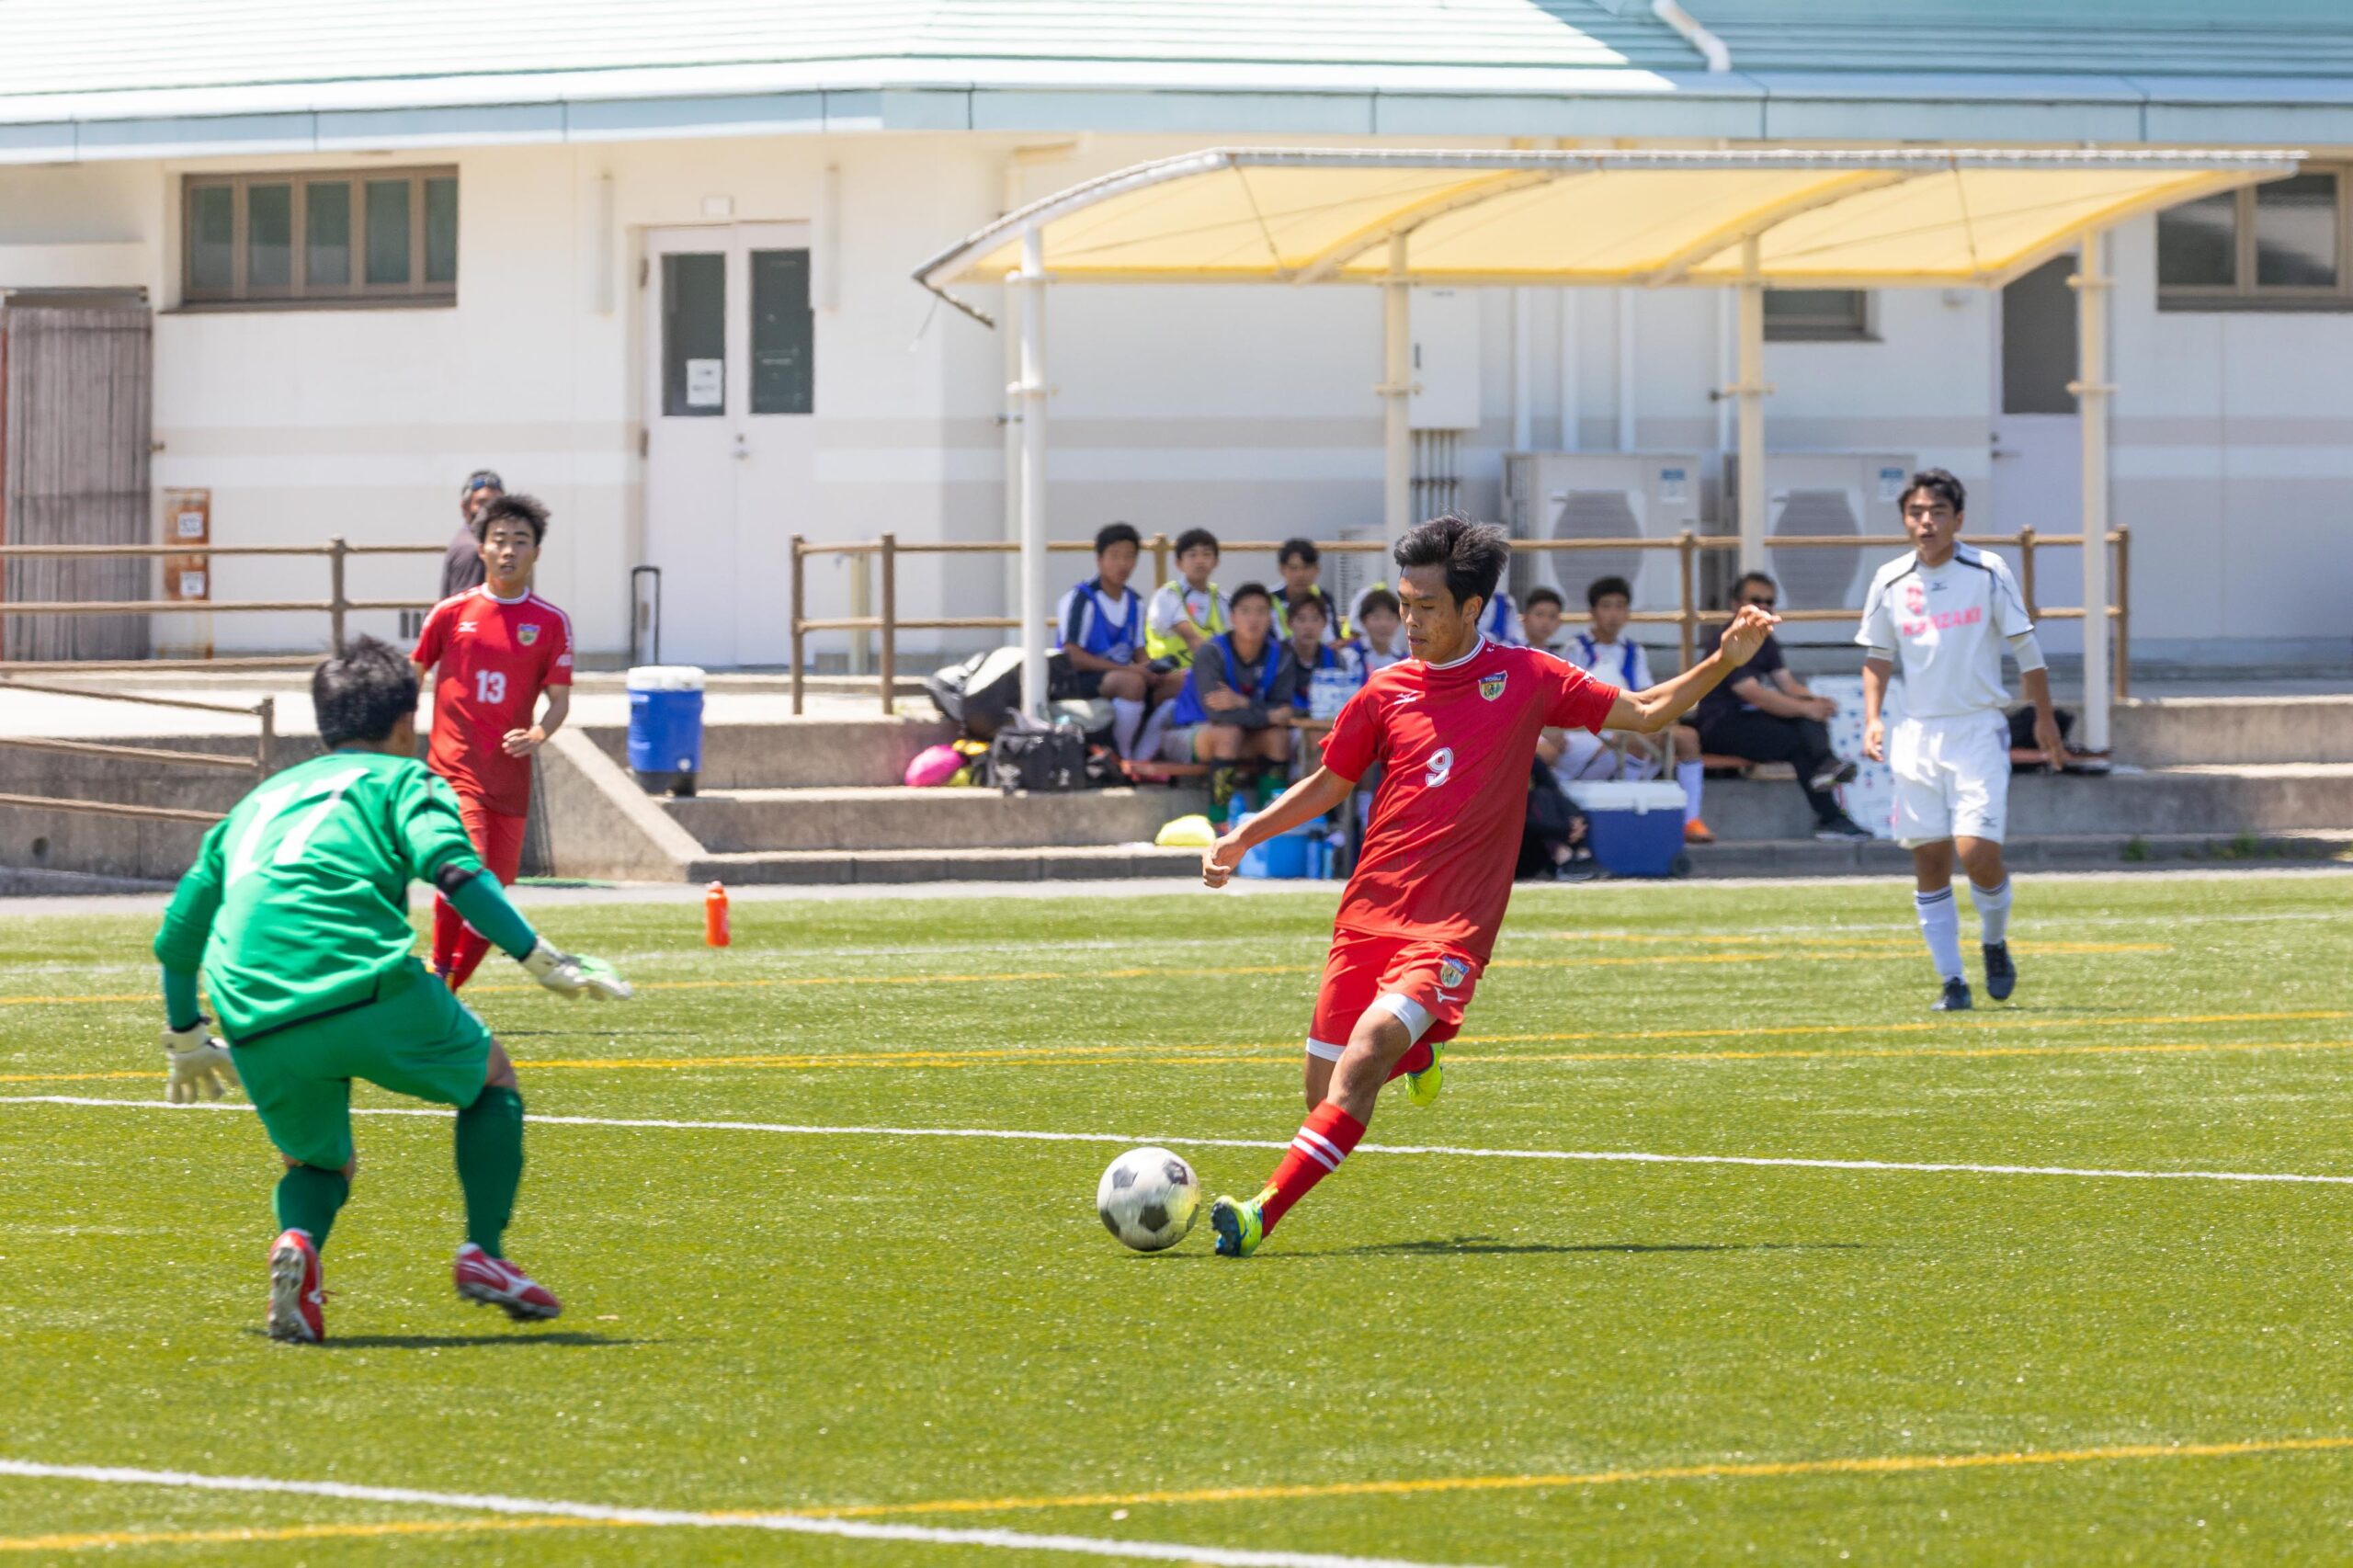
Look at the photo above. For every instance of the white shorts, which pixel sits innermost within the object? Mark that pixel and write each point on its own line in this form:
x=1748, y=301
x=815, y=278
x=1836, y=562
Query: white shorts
x=1952, y=778
x=1589, y=757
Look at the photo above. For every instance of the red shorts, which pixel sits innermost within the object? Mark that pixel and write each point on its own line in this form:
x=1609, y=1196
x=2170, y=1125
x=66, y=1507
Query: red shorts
x=498, y=838
x=1430, y=984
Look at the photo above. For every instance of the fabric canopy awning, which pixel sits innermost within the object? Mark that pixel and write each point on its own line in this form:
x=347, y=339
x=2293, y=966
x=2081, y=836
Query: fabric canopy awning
x=1858, y=219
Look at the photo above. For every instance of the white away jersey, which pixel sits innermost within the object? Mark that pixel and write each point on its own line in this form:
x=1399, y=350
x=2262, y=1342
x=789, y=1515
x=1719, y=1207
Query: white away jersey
x=1947, y=625
x=1620, y=663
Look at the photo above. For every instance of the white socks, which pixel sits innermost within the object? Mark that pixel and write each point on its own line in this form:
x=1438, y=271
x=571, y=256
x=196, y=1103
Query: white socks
x=1941, y=924
x=1150, y=740
x=1126, y=717
x=1992, y=911
x=1690, y=774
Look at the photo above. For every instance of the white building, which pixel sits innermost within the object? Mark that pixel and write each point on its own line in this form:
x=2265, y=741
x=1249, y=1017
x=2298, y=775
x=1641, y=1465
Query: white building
x=387, y=243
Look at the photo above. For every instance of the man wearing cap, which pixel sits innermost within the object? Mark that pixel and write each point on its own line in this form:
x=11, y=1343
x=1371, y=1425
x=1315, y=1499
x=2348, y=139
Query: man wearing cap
x=461, y=569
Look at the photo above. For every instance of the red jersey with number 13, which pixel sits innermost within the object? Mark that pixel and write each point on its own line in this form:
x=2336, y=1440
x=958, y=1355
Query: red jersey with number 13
x=495, y=656
x=1457, y=742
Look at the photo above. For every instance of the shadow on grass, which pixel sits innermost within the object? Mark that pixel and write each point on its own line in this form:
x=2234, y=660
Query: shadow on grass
x=521, y=1339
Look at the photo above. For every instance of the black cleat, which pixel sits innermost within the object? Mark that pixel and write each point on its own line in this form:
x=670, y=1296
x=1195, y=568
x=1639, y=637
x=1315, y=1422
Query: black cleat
x=1833, y=774
x=2001, y=974
x=1954, y=1000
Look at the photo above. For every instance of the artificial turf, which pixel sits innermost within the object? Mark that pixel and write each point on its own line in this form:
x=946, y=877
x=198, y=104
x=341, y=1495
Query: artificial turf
x=1530, y=1362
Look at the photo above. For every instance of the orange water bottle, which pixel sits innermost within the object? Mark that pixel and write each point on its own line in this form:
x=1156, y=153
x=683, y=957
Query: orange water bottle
x=714, y=916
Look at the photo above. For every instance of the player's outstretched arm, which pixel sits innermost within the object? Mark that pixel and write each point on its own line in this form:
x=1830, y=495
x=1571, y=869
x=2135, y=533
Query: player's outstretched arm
x=1878, y=670
x=199, y=1063
x=1658, y=707
x=477, y=897
x=1303, y=801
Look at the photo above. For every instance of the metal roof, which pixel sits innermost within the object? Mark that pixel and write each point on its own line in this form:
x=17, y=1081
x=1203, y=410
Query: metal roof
x=1891, y=217
x=139, y=78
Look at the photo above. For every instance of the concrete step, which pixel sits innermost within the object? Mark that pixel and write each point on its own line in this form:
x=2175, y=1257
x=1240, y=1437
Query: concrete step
x=2190, y=731
x=824, y=865
x=2201, y=800
x=2050, y=852
x=801, y=753
x=833, y=820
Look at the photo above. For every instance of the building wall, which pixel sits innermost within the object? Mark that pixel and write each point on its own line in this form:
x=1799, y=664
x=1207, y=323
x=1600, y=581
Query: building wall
x=1249, y=410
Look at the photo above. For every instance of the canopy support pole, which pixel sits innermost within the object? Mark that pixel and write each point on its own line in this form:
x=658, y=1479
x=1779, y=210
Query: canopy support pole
x=1396, y=391
x=1751, y=389
x=2093, y=392
x=1030, y=394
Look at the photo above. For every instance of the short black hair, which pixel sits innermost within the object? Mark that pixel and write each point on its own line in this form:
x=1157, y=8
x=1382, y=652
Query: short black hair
x=1249, y=591
x=1302, y=549
x=1110, y=534
x=514, y=509
x=1541, y=597
x=1378, y=599
x=1745, y=578
x=1936, y=482
x=1602, y=588
x=1193, y=536
x=1472, y=553
x=362, y=695
x=1314, y=602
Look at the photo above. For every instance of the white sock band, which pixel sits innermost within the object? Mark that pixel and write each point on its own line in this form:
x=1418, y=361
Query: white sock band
x=1126, y=717
x=1940, y=925
x=1690, y=774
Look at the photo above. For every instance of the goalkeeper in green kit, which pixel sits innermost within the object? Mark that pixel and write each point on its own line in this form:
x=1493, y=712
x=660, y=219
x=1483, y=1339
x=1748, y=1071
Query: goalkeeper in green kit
x=296, y=912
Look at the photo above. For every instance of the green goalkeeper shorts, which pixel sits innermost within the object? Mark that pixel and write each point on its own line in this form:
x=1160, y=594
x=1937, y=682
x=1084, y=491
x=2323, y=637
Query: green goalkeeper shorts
x=415, y=1039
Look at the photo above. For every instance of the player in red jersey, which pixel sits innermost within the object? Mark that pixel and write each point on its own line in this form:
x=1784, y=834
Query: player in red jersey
x=1454, y=727
x=499, y=647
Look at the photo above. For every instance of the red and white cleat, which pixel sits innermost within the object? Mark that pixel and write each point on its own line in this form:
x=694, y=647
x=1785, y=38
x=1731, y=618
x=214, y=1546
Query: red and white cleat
x=493, y=1281
x=297, y=1294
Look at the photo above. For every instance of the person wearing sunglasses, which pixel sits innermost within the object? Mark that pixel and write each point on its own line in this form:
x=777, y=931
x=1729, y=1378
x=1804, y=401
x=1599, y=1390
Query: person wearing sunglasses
x=1767, y=715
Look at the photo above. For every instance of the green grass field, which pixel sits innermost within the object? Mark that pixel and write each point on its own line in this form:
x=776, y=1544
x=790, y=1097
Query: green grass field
x=1440, y=1357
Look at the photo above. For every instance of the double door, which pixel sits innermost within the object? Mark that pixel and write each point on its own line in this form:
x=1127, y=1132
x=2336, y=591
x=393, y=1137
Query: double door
x=730, y=448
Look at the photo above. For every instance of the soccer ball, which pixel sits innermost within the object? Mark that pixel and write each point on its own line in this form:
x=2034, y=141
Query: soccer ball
x=1148, y=1198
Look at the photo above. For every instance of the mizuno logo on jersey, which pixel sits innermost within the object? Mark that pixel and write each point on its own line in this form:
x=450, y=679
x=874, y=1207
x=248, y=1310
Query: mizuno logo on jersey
x=465, y=626
x=1492, y=686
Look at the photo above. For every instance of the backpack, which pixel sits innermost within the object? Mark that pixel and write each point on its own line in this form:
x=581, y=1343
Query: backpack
x=1052, y=762
x=979, y=692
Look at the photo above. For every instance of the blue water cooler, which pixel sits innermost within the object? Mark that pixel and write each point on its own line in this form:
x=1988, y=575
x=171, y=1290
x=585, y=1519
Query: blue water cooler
x=666, y=727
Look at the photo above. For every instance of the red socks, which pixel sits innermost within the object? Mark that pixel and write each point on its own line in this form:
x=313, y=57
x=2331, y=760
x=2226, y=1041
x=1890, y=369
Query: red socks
x=1325, y=1140
x=1417, y=1059
x=457, y=951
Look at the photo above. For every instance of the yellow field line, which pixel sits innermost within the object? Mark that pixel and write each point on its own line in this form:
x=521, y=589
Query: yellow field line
x=1857, y=947
x=1890, y=1464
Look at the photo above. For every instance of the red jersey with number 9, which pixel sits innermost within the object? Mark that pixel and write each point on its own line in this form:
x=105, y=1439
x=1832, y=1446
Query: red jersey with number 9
x=1457, y=743
x=495, y=656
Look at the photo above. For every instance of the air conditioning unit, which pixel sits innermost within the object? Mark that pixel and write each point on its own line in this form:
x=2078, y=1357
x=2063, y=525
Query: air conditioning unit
x=1349, y=573
x=1550, y=495
x=1817, y=494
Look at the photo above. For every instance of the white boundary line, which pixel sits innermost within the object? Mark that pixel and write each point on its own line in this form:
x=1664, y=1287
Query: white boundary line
x=1610, y=1156
x=794, y=1524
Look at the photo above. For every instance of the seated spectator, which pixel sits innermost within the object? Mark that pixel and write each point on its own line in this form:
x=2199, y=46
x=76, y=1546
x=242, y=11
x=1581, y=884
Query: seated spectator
x=1302, y=565
x=1500, y=619
x=1539, y=618
x=1380, y=641
x=1309, y=652
x=1187, y=609
x=1605, y=651
x=1765, y=714
x=1098, y=635
x=1236, y=703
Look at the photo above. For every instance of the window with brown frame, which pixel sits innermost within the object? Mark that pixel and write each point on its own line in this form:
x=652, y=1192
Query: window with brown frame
x=2281, y=246
x=344, y=237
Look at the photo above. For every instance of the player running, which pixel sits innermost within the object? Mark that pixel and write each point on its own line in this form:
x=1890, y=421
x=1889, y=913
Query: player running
x=1455, y=727
x=297, y=912
x=1947, y=608
x=499, y=647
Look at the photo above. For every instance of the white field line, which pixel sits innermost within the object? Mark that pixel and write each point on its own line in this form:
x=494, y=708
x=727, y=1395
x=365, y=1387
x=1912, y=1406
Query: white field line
x=793, y=1523
x=1594, y=1156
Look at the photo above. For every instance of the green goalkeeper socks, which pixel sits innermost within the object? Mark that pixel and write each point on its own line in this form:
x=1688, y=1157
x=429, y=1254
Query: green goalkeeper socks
x=490, y=1164
x=307, y=1199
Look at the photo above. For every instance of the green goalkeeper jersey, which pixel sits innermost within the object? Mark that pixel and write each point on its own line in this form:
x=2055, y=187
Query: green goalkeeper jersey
x=298, y=902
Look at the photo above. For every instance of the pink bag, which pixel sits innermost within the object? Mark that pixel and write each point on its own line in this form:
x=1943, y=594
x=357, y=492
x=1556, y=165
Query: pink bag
x=934, y=765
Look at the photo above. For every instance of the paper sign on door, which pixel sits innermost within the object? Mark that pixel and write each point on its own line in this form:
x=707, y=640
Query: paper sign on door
x=706, y=380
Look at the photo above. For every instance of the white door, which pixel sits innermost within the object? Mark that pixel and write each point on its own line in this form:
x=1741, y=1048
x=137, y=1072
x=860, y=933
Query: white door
x=730, y=448
x=2038, y=437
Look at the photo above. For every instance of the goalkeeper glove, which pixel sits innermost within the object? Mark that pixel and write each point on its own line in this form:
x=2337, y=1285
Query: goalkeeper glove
x=572, y=977
x=200, y=1064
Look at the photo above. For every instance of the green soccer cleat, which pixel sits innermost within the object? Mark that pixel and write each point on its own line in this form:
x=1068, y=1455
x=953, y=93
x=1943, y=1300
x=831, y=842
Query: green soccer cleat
x=1238, y=1225
x=1422, y=1087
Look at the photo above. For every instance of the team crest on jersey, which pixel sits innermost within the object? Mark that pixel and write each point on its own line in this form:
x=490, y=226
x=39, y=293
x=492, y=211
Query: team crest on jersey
x=526, y=635
x=1492, y=686
x=1452, y=972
